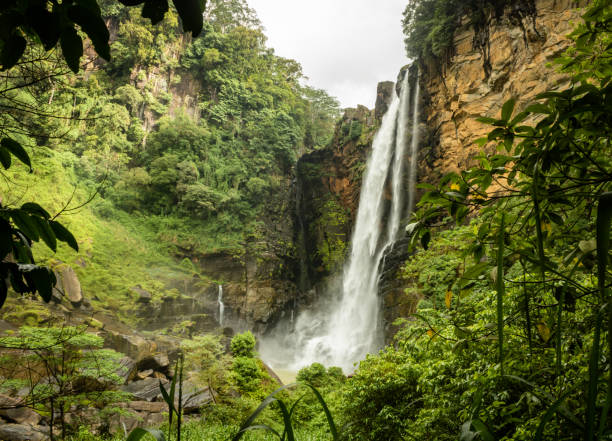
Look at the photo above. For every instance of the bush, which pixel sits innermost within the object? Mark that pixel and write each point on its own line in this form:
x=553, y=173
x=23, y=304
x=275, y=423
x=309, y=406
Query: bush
x=243, y=345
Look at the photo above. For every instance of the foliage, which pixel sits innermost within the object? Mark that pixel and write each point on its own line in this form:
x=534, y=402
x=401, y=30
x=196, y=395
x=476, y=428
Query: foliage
x=288, y=430
x=57, y=22
x=60, y=367
x=429, y=25
x=517, y=348
x=243, y=345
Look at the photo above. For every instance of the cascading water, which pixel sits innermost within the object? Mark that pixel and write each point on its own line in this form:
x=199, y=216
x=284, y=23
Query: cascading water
x=220, y=304
x=414, y=149
x=342, y=330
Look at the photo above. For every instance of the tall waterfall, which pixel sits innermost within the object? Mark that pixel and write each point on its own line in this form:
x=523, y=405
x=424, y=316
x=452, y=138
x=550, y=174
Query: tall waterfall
x=414, y=150
x=343, y=328
x=220, y=304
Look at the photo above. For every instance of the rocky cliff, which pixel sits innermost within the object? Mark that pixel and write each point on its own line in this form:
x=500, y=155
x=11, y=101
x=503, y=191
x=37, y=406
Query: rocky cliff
x=514, y=62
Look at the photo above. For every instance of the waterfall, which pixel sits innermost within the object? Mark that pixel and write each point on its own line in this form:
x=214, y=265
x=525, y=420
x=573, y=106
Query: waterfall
x=220, y=304
x=398, y=164
x=414, y=149
x=344, y=327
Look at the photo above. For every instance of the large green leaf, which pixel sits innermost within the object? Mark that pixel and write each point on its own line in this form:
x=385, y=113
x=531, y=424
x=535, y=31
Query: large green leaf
x=138, y=433
x=17, y=150
x=72, y=47
x=191, y=13
x=87, y=14
x=12, y=51
x=26, y=224
x=62, y=233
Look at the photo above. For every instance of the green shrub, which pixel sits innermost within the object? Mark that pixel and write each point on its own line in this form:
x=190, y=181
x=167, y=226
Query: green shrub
x=243, y=345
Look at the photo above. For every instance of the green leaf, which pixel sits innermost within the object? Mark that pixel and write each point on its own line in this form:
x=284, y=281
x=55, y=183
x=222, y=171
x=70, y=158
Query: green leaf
x=6, y=238
x=34, y=208
x=500, y=288
x=5, y=158
x=42, y=279
x=507, y=109
x=328, y=415
x=190, y=12
x=61, y=233
x=472, y=274
x=138, y=433
x=519, y=118
x=425, y=238
x=483, y=430
x=3, y=292
x=87, y=14
x=538, y=108
x=72, y=47
x=17, y=150
x=155, y=10
x=12, y=51
x=487, y=120
x=26, y=224
x=46, y=232
x=265, y=403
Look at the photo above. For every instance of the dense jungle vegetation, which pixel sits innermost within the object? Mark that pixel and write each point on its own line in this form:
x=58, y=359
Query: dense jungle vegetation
x=512, y=336
x=175, y=177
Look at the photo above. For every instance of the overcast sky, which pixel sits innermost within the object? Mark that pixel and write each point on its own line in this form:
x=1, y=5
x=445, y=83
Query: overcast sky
x=344, y=46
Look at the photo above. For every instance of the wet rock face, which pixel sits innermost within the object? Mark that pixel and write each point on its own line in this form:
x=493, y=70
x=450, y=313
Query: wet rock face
x=384, y=94
x=519, y=57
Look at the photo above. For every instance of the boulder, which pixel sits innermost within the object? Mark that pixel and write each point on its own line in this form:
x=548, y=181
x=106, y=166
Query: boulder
x=22, y=432
x=144, y=374
x=144, y=296
x=12, y=409
x=127, y=369
x=146, y=406
x=158, y=363
x=137, y=419
x=194, y=397
x=132, y=345
x=71, y=286
x=145, y=390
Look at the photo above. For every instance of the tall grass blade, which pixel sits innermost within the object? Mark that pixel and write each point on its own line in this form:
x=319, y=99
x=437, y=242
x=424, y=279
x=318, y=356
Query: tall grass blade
x=549, y=414
x=604, y=222
x=287, y=421
x=500, y=292
x=265, y=403
x=328, y=415
x=483, y=430
x=138, y=433
x=262, y=427
x=180, y=398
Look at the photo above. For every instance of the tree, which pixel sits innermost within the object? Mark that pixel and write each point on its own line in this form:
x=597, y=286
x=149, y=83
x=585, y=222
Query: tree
x=47, y=23
x=543, y=193
x=59, y=367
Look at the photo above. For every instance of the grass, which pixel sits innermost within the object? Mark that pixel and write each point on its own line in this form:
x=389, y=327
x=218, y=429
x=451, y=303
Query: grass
x=117, y=251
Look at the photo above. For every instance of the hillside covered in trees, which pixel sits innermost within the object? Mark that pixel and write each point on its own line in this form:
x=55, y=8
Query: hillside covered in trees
x=177, y=201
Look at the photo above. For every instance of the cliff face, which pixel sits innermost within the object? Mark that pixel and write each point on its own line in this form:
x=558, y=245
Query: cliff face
x=475, y=82
x=520, y=54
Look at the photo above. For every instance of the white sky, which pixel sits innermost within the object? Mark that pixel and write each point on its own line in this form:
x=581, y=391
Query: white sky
x=344, y=46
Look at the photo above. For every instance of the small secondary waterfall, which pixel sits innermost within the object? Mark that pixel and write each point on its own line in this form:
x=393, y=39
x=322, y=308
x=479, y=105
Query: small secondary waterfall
x=220, y=304
x=343, y=328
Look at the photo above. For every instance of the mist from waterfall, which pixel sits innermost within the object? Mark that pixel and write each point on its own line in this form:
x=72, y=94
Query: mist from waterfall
x=343, y=328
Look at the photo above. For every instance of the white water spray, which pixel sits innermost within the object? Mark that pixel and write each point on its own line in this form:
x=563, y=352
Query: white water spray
x=414, y=150
x=220, y=304
x=346, y=327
